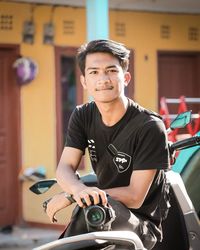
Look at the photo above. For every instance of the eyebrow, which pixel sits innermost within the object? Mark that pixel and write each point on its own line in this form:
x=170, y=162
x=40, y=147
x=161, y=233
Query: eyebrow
x=108, y=67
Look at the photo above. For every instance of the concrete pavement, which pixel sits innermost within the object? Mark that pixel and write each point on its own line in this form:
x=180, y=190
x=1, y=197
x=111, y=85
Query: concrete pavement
x=27, y=237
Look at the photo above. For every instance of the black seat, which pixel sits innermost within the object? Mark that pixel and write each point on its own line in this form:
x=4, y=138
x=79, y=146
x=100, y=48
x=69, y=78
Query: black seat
x=175, y=235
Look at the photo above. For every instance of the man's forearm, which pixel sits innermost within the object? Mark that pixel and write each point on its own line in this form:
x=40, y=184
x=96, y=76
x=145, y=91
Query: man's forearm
x=124, y=195
x=68, y=180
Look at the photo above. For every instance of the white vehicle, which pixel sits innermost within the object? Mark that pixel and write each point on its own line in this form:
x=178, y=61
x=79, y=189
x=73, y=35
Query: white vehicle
x=181, y=229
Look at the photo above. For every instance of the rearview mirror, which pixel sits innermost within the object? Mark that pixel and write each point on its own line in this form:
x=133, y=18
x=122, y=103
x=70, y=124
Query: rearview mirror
x=181, y=120
x=42, y=186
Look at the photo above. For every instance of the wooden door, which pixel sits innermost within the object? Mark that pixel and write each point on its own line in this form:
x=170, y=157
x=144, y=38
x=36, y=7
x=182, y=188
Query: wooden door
x=69, y=91
x=179, y=74
x=9, y=137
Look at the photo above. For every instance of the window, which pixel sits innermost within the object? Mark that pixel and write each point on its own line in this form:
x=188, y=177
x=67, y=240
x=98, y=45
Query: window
x=68, y=90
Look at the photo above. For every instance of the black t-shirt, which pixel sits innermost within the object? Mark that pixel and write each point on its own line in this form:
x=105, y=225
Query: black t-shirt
x=145, y=148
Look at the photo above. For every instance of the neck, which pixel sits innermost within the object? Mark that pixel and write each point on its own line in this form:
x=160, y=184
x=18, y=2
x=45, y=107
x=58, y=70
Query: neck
x=113, y=111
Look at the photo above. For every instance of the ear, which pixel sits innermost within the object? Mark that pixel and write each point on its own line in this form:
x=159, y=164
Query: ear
x=82, y=79
x=127, y=78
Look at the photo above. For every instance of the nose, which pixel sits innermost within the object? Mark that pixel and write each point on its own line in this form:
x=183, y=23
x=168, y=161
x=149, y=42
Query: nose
x=103, y=79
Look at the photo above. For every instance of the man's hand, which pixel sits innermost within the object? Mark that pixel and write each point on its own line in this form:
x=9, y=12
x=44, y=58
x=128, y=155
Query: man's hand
x=55, y=204
x=97, y=195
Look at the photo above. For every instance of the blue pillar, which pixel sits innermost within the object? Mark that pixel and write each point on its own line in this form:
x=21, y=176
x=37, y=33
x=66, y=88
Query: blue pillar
x=97, y=19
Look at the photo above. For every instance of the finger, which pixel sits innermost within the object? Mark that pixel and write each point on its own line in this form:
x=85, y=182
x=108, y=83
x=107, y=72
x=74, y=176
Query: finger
x=83, y=199
x=95, y=197
x=86, y=199
x=50, y=213
x=48, y=210
x=54, y=219
x=103, y=197
x=80, y=201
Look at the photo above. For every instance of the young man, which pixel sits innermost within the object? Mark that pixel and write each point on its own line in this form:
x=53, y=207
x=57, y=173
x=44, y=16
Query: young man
x=131, y=177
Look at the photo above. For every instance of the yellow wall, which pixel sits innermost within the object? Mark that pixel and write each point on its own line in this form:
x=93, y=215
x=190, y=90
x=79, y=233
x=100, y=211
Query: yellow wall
x=38, y=110
x=143, y=35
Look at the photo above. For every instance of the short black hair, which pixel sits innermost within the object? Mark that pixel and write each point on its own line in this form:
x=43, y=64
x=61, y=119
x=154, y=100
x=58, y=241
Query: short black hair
x=116, y=49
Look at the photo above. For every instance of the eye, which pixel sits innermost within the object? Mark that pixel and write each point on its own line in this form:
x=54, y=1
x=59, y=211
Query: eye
x=113, y=70
x=93, y=72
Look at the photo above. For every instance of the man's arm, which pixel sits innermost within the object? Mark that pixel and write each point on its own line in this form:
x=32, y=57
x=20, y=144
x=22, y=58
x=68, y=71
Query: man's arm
x=55, y=204
x=69, y=182
x=67, y=166
x=134, y=195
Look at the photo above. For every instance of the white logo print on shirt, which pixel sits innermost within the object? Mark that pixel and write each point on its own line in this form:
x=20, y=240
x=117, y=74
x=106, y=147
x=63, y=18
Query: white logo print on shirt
x=92, y=150
x=122, y=161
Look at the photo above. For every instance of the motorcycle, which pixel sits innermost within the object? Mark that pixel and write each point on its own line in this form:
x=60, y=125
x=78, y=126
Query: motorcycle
x=181, y=229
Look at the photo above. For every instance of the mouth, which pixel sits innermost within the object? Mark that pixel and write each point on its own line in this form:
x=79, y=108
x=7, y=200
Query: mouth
x=103, y=89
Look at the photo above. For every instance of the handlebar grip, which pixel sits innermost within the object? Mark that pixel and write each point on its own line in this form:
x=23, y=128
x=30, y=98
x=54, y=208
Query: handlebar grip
x=186, y=143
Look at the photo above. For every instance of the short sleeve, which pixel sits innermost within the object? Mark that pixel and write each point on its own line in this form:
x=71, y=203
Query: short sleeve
x=76, y=136
x=151, y=150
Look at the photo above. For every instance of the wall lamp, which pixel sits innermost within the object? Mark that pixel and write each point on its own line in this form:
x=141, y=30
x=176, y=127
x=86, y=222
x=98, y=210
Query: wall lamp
x=29, y=29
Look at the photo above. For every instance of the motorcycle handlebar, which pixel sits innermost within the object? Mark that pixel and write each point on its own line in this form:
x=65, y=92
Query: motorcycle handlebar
x=186, y=143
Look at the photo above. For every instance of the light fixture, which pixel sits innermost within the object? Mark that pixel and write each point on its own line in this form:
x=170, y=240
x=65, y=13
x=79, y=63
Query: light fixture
x=28, y=32
x=29, y=29
x=49, y=29
x=48, y=33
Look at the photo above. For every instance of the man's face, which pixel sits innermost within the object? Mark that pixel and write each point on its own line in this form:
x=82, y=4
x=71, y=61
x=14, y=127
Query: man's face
x=104, y=77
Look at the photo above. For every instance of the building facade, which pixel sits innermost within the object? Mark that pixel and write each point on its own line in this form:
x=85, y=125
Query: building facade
x=165, y=60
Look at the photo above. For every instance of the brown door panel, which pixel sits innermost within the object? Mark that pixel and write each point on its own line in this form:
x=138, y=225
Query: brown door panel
x=9, y=138
x=179, y=74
